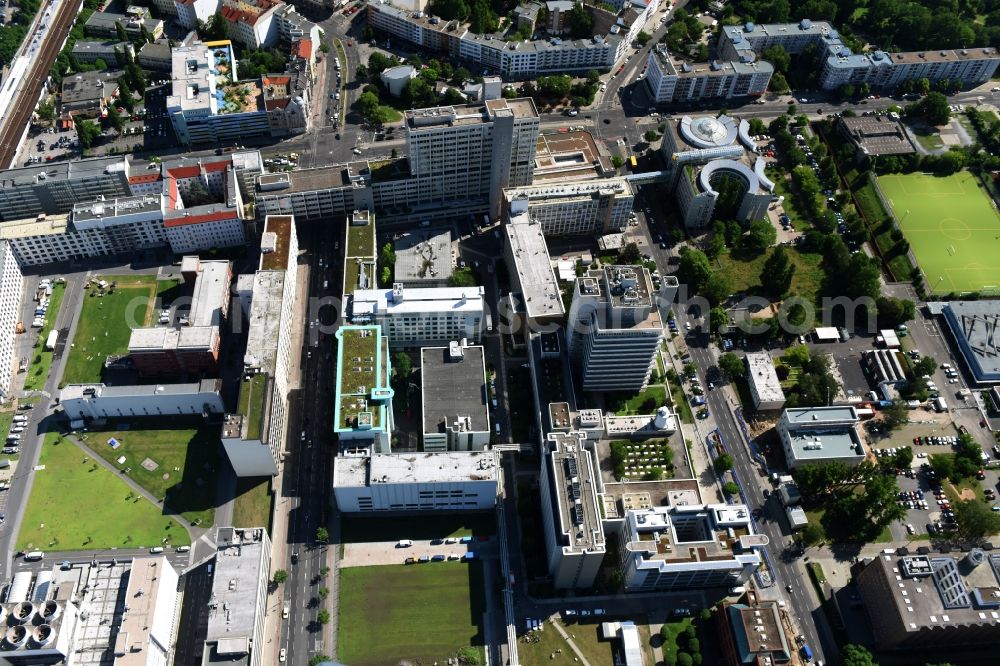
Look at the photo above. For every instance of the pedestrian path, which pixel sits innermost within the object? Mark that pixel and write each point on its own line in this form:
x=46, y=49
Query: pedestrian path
x=569, y=641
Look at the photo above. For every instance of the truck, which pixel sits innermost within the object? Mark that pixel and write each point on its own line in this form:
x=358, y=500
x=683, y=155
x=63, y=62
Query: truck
x=50, y=342
x=807, y=652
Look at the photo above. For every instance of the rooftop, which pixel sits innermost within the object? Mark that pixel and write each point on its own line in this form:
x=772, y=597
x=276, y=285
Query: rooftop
x=572, y=155
x=822, y=433
x=401, y=300
x=820, y=416
x=390, y=468
x=626, y=292
x=282, y=227
x=305, y=180
x=973, y=325
x=77, y=391
x=361, y=235
x=94, y=168
x=362, y=374
x=148, y=623
x=467, y=114
x=537, y=281
x=266, y=301
x=685, y=534
x=758, y=630
x=42, y=225
x=211, y=292
x=423, y=255
x=878, y=135
x=575, y=485
x=96, y=211
x=763, y=379
x=241, y=567
x=252, y=402
x=453, y=388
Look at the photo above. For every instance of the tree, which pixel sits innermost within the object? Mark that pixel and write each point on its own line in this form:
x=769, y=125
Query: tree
x=694, y=269
x=730, y=488
x=617, y=161
x=46, y=111
x=318, y=659
x=717, y=288
x=87, y=131
x=630, y=254
x=115, y=118
x=555, y=85
x=323, y=616
x=718, y=319
x=650, y=136
x=324, y=48
x=934, y=108
x=684, y=659
x=120, y=32
x=856, y=655
x=731, y=365
x=402, y=365
x=322, y=534
x=812, y=534
x=760, y=236
x=280, y=576
x=778, y=84
x=323, y=592
x=777, y=56
x=643, y=37
x=943, y=465
x=777, y=273
x=896, y=415
x=324, y=571
x=580, y=22
x=462, y=277
x=723, y=463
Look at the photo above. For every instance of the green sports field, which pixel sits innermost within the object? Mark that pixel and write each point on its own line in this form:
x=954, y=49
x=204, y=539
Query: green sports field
x=952, y=227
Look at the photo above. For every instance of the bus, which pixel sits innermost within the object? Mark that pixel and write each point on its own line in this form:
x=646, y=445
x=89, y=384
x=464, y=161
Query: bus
x=632, y=163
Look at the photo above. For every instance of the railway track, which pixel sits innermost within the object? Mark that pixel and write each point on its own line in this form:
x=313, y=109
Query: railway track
x=27, y=93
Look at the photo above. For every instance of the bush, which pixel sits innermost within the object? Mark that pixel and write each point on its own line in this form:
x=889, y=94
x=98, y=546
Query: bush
x=684, y=659
x=706, y=614
x=690, y=632
x=694, y=646
x=730, y=488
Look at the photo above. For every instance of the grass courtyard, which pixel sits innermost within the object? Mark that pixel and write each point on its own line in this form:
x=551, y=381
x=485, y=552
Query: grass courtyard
x=105, y=325
x=420, y=613
x=41, y=359
x=254, y=499
x=172, y=461
x=77, y=504
x=952, y=227
x=744, y=275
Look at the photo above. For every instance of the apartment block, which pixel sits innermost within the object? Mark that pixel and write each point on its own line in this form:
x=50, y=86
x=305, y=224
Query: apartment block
x=674, y=80
x=363, y=419
x=453, y=398
x=422, y=316
x=90, y=52
x=527, y=257
x=812, y=435
x=668, y=548
x=190, y=345
x=156, y=56
x=574, y=207
x=613, y=328
x=239, y=599
x=208, y=102
x=254, y=436
x=189, y=12
x=92, y=402
x=11, y=284
x=574, y=536
x=400, y=482
x=762, y=378
x=251, y=22
x=53, y=189
x=423, y=258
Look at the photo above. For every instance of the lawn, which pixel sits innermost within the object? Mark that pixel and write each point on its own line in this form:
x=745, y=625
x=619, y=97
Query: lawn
x=681, y=404
x=371, y=530
x=76, y=504
x=385, y=618
x=744, y=275
x=38, y=371
x=645, y=401
x=181, y=463
x=951, y=226
x=361, y=240
x=815, y=517
x=254, y=502
x=105, y=325
x=928, y=139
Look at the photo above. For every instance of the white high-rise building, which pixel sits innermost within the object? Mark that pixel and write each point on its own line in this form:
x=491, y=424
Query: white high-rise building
x=11, y=282
x=575, y=207
x=421, y=316
x=613, y=328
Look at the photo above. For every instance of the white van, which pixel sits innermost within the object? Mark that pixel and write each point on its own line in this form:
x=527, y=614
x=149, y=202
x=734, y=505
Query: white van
x=33, y=556
x=404, y=543
x=156, y=550
x=498, y=428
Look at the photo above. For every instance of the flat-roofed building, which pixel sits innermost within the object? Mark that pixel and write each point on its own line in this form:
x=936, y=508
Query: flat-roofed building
x=821, y=434
x=104, y=24
x=527, y=258
x=254, y=436
x=421, y=316
x=453, y=398
x=87, y=94
x=54, y=188
x=148, y=628
x=363, y=402
x=765, y=387
x=574, y=535
x=918, y=603
x=404, y=482
x=311, y=194
x=753, y=634
x=876, y=135
x=885, y=367
x=90, y=52
x=190, y=12
x=238, y=603
x=156, y=56
x=423, y=258
x=99, y=402
x=572, y=208
x=614, y=328
x=189, y=347
x=666, y=548
x=672, y=79
x=11, y=283
x=973, y=326
x=359, y=253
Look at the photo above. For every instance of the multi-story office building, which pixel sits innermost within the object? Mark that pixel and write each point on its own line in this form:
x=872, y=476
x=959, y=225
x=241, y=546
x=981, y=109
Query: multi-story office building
x=704, y=151
x=208, y=103
x=527, y=259
x=312, y=194
x=97, y=401
x=189, y=12
x=666, y=548
x=54, y=188
x=190, y=345
x=473, y=151
x=422, y=316
x=453, y=398
x=972, y=327
x=971, y=67
x=363, y=402
x=156, y=56
x=399, y=482
x=821, y=434
x=253, y=437
x=90, y=52
x=614, y=328
x=515, y=59
x=238, y=603
x=359, y=254
x=572, y=208
x=765, y=387
x=918, y=603
x=672, y=79
x=423, y=258
x=104, y=24
x=574, y=536
x=752, y=633
x=11, y=283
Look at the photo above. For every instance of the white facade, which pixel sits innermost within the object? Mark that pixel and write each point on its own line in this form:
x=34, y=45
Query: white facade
x=189, y=12
x=222, y=228
x=672, y=80
x=250, y=23
x=667, y=548
x=816, y=435
x=574, y=535
x=97, y=401
x=765, y=387
x=572, y=208
x=418, y=317
x=11, y=283
x=239, y=598
x=399, y=482
x=396, y=78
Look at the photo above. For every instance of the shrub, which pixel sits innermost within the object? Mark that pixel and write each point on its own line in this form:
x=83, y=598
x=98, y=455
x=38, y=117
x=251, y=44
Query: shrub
x=684, y=659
